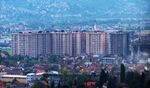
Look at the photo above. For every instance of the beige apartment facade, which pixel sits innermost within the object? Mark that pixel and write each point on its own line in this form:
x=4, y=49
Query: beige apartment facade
x=59, y=43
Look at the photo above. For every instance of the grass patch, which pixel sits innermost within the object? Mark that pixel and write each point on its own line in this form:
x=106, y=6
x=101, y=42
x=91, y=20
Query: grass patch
x=7, y=50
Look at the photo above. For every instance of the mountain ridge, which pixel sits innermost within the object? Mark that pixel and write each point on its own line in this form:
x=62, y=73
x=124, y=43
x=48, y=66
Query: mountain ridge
x=53, y=12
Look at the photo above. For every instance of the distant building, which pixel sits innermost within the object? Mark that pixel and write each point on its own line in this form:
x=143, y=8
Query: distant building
x=119, y=43
x=31, y=77
x=62, y=43
x=59, y=43
x=78, y=43
x=96, y=43
x=31, y=43
x=109, y=61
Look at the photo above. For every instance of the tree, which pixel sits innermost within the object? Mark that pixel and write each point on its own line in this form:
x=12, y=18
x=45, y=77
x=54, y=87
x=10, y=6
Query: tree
x=59, y=85
x=66, y=76
x=0, y=59
x=134, y=84
x=103, y=78
x=122, y=73
x=38, y=84
x=42, y=83
x=53, y=59
x=147, y=84
x=129, y=77
x=112, y=82
x=45, y=76
x=83, y=78
x=74, y=83
x=142, y=79
x=133, y=80
x=52, y=84
x=121, y=85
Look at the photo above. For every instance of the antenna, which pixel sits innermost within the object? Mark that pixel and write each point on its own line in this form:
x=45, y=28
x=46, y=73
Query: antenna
x=95, y=27
x=139, y=38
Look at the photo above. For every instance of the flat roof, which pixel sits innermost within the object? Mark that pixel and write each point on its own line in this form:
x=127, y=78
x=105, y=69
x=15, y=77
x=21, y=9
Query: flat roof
x=13, y=76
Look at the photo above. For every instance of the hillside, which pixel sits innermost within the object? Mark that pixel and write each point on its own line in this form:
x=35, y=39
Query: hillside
x=46, y=13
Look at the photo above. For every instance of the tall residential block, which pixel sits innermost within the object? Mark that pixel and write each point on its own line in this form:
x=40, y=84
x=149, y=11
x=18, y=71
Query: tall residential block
x=59, y=43
x=119, y=43
x=96, y=43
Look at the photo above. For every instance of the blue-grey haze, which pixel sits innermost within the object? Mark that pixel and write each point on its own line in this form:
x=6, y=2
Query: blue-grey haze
x=49, y=12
